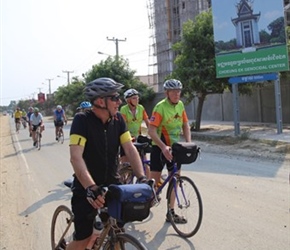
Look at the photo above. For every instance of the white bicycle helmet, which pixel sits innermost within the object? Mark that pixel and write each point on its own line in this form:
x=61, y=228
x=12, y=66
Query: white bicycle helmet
x=130, y=92
x=172, y=84
x=101, y=87
x=58, y=107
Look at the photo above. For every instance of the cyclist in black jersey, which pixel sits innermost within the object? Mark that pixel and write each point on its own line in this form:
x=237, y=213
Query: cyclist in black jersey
x=95, y=139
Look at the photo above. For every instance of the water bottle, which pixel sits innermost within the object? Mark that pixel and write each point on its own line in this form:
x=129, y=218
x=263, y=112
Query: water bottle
x=97, y=230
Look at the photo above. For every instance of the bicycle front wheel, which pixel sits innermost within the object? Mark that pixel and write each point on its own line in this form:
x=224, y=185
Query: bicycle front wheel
x=188, y=206
x=123, y=241
x=38, y=138
x=61, y=227
x=60, y=136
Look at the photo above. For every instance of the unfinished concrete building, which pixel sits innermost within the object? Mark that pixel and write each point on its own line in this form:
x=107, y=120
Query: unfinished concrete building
x=166, y=18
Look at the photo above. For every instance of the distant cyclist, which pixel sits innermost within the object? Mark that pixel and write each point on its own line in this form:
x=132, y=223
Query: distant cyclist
x=59, y=119
x=24, y=118
x=36, y=120
x=17, y=116
x=29, y=113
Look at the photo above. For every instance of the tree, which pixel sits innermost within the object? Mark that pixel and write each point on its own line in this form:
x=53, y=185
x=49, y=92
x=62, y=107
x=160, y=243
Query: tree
x=118, y=69
x=195, y=63
x=70, y=96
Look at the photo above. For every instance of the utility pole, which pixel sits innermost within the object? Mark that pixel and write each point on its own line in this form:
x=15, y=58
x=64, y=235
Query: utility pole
x=116, y=41
x=49, y=85
x=68, y=72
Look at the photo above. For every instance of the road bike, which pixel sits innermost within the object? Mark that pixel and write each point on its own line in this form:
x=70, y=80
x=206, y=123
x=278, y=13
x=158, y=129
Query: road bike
x=113, y=218
x=188, y=202
x=38, y=136
x=17, y=125
x=60, y=135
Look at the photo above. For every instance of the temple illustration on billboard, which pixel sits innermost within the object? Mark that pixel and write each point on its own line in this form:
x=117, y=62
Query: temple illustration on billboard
x=246, y=24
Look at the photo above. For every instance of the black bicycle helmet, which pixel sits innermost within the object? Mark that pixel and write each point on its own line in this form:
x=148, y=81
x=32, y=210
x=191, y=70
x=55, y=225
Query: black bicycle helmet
x=172, y=84
x=130, y=92
x=101, y=87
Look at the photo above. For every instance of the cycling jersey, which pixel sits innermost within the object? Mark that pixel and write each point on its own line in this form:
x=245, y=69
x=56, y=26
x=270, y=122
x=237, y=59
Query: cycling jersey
x=36, y=120
x=134, y=122
x=17, y=114
x=101, y=142
x=168, y=119
x=59, y=115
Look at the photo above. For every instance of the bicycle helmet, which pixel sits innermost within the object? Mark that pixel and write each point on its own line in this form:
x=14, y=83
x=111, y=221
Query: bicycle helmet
x=85, y=105
x=36, y=109
x=130, y=92
x=58, y=107
x=101, y=87
x=172, y=84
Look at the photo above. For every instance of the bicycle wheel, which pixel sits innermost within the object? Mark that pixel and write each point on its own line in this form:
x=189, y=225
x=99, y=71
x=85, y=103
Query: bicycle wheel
x=18, y=127
x=126, y=174
x=123, y=241
x=38, y=139
x=188, y=205
x=60, y=136
x=61, y=227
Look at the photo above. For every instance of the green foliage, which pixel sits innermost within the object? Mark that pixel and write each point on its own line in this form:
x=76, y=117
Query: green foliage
x=70, y=96
x=119, y=70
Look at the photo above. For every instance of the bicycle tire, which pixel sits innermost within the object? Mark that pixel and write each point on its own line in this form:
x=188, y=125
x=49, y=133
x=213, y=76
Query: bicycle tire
x=61, y=227
x=126, y=174
x=38, y=139
x=61, y=136
x=18, y=127
x=192, y=211
x=125, y=241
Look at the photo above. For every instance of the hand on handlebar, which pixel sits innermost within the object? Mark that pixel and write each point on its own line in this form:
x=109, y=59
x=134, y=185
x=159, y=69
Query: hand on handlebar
x=167, y=152
x=96, y=196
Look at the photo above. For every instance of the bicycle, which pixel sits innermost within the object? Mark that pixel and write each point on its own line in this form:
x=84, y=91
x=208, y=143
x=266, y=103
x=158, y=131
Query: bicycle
x=17, y=125
x=116, y=214
x=186, y=194
x=38, y=138
x=60, y=135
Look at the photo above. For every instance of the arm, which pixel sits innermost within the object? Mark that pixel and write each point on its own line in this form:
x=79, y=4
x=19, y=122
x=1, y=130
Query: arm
x=134, y=158
x=82, y=173
x=186, y=132
x=166, y=150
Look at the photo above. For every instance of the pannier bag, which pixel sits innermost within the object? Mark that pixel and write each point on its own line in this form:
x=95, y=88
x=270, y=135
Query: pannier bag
x=129, y=202
x=184, y=152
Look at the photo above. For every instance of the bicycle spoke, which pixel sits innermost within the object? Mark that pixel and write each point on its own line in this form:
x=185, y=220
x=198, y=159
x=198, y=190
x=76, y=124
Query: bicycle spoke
x=188, y=206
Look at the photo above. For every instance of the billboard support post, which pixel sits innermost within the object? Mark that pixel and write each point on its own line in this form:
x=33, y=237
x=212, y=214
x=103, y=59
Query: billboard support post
x=278, y=105
x=236, y=108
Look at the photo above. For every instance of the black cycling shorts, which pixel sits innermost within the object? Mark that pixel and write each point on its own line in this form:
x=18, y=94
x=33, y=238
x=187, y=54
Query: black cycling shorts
x=34, y=127
x=58, y=123
x=157, y=161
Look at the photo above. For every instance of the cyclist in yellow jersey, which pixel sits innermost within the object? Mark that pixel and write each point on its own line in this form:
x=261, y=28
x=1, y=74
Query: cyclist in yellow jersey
x=166, y=123
x=134, y=114
x=17, y=116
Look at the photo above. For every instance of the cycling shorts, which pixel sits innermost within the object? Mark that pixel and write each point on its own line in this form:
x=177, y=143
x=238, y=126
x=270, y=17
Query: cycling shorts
x=17, y=120
x=58, y=123
x=157, y=160
x=34, y=127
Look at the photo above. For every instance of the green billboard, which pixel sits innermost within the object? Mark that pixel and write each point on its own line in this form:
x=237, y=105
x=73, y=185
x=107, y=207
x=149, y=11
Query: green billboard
x=250, y=37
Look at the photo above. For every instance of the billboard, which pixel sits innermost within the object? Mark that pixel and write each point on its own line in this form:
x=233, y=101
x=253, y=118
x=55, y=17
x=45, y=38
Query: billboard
x=249, y=37
x=41, y=97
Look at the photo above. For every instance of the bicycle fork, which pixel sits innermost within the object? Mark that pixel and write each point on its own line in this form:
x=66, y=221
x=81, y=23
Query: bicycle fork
x=178, y=183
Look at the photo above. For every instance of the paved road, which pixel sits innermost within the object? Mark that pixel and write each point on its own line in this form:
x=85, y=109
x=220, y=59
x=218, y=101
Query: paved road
x=246, y=200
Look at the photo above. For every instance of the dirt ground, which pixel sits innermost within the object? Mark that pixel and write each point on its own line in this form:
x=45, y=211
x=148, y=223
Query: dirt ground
x=10, y=171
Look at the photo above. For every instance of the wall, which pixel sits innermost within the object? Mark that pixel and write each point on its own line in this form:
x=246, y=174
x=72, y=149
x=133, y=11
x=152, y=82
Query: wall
x=260, y=107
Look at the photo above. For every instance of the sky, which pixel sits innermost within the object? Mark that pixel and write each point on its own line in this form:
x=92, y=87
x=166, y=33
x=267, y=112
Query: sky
x=225, y=10
x=42, y=38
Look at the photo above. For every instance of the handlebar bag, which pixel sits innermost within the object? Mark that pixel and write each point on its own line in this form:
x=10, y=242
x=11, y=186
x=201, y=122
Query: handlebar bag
x=129, y=202
x=184, y=152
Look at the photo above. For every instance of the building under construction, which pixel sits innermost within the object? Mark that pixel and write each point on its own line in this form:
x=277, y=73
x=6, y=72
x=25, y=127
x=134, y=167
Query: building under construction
x=166, y=18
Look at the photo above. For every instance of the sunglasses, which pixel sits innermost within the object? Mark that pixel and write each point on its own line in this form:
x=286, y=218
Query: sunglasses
x=114, y=98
